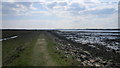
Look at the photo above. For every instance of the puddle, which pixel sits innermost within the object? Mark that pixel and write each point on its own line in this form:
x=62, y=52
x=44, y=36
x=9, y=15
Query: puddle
x=8, y=38
x=107, y=38
x=92, y=46
x=113, y=47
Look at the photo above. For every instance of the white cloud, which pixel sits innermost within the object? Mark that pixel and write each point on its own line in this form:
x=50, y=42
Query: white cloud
x=73, y=13
x=32, y=7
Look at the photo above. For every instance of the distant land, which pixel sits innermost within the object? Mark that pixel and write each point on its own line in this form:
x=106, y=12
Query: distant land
x=59, y=29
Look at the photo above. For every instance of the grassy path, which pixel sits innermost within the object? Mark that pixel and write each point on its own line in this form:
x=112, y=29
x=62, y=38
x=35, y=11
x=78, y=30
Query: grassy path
x=40, y=55
x=40, y=50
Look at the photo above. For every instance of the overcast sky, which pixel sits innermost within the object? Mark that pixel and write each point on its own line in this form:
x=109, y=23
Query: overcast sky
x=60, y=14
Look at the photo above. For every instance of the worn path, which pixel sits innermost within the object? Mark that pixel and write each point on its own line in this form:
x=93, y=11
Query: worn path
x=40, y=55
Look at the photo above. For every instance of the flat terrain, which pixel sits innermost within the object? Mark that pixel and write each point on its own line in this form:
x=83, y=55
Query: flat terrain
x=55, y=48
x=40, y=52
x=31, y=48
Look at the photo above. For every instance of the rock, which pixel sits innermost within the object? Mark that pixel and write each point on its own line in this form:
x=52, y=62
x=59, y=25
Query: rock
x=78, y=60
x=92, y=60
x=97, y=65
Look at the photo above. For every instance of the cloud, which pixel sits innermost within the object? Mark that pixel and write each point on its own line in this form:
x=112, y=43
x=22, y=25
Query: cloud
x=76, y=7
x=104, y=11
x=26, y=4
x=39, y=6
x=51, y=5
x=71, y=7
x=62, y=3
x=61, y=13
x=17, y=8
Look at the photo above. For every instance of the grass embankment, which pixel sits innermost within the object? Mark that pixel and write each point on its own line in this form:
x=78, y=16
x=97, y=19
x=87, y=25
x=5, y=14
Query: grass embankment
x=25, y=58
x=40, y=50
x=14, y=57
x=57, y=55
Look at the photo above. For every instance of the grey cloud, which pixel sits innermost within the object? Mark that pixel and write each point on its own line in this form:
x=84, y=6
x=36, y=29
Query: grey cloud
x=7, y=8
x=76, y=7
x=62, y=3
x=102, y=11
x=27, y=4
x=51, y=5
x=39, y=6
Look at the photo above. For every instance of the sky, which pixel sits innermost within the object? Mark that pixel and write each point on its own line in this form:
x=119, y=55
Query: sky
x=60, y=14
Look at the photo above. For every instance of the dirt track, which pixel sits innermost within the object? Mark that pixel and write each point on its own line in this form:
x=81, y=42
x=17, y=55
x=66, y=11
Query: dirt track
x=40, y=55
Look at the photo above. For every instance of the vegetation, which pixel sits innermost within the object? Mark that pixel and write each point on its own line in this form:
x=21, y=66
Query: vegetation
x=32, y=48
x=17, y=51
x=57, y=55
x=39, y=48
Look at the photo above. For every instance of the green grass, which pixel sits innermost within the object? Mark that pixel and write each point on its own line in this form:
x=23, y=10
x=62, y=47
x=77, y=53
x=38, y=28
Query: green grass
x=25, y=57
x=37, y=57
x=9, y=46
x=29, y=40
x=51, y=44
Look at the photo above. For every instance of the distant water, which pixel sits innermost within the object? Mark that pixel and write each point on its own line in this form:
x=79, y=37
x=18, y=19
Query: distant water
x=107, y=38
x=93, y=30
x=8, y=38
